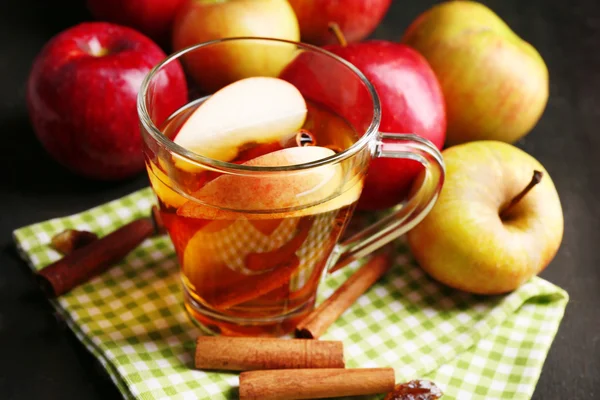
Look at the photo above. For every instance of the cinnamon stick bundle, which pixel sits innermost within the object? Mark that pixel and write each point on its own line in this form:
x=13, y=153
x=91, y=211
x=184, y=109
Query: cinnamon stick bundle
x=247, y=353
x=294, y=384
x=320, y=319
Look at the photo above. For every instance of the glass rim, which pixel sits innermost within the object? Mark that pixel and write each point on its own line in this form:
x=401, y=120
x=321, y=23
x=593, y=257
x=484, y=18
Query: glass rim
x=171, y=146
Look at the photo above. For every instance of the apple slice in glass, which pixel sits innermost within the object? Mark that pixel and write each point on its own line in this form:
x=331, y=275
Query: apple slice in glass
x=258, y=110
x=163, y=186
x=254, y=110
x=264, y=192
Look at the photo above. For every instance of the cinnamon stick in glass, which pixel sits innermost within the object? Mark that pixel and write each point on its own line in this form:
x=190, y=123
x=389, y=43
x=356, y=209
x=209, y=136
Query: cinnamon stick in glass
x=320, y=319
x=247, y=353
x=292, y=384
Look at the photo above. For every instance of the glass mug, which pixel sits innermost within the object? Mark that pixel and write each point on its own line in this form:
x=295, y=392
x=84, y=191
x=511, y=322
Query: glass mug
x=253, y=241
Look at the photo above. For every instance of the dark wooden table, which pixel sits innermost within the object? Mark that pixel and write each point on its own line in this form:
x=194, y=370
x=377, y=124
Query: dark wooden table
x=40, y=358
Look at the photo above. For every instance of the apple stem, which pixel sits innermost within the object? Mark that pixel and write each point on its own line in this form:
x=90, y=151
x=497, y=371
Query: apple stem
x=339, y=35
x=537, y=177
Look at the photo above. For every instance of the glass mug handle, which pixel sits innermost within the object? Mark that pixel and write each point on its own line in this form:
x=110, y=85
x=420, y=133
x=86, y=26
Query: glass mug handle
x=404, y=217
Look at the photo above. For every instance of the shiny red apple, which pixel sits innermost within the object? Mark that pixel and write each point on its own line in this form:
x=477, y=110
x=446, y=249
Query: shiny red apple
x=153, y=18
x=411, y=102
x=356, y=18
x=81, y=97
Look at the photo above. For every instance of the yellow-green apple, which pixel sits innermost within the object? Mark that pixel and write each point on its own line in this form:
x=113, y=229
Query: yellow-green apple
x=153, y=18
x=213, y=67
x=411, y=102
x=81, y=97
x=356, y=18
x=493, y=226
x=495, y=83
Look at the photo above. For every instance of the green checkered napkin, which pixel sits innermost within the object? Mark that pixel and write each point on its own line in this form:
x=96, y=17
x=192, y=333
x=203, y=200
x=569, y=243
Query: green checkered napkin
x=132, y=319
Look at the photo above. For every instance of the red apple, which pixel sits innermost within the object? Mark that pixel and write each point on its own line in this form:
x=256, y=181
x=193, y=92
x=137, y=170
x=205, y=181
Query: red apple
x=153, y=18
x=81, y=97
x=356, y=18
x=411, y=102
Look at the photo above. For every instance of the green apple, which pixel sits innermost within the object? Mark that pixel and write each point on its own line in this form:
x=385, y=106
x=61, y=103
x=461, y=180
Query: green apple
x=495, y=84
x=493, y=226
x=213, y=67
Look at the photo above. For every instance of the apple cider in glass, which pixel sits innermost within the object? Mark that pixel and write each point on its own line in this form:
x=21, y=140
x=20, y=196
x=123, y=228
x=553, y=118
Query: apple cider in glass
x=257, y=262
x=258, y=173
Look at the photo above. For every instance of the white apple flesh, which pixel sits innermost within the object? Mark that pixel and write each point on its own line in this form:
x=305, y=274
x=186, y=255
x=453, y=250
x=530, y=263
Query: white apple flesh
x=252, y=110
x=470, y=240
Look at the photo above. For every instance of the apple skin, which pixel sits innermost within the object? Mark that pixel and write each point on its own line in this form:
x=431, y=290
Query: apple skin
x=357, y=19
x=199, y=21
x=154, y=18
x=411, y=102
x=83, y=106
x=464, y=243
x=495, y=84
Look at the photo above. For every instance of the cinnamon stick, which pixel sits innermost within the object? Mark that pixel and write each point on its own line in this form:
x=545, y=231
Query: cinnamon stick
x=320, y=319
x=247, y=353
x=96, y=257
x=291, y=384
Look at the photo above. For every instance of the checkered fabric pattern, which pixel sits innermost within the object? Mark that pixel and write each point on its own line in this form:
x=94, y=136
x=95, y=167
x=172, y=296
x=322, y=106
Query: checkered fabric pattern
x=132, y=319
x=231, y=244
